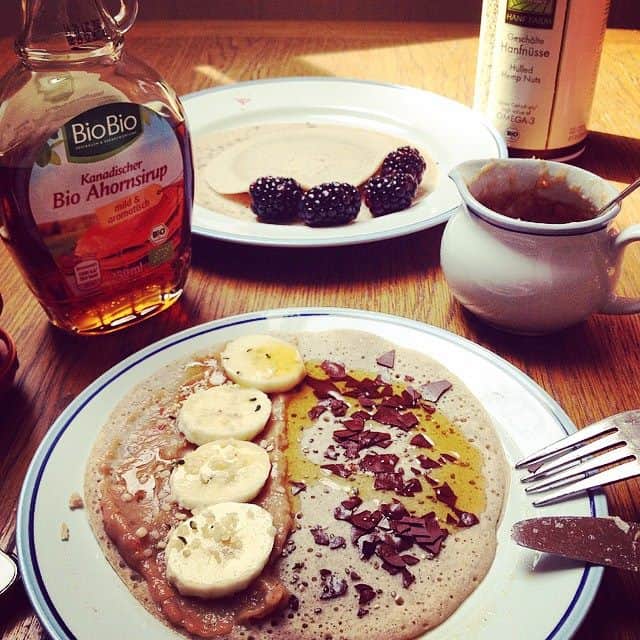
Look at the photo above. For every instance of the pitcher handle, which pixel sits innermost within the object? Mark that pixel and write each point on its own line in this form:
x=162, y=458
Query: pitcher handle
x=126, y=16
x=621, y=304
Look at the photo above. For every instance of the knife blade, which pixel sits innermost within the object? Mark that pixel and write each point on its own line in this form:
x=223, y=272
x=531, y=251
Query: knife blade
x=610, y=542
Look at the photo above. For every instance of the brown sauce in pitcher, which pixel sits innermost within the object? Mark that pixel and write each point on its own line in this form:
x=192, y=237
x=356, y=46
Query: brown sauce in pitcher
x=550, y=201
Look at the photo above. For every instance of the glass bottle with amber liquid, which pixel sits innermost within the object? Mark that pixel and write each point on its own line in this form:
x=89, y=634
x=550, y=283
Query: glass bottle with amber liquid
x=96, y=170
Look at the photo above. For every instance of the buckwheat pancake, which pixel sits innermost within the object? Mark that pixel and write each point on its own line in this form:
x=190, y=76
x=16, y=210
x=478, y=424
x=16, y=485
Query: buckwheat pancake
x=228, y=161
x=330, y=575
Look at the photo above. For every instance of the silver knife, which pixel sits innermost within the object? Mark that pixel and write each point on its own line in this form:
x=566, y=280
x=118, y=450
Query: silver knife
x=611, y=542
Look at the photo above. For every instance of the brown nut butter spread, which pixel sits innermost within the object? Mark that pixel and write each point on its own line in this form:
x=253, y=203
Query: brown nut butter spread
x=138, y=514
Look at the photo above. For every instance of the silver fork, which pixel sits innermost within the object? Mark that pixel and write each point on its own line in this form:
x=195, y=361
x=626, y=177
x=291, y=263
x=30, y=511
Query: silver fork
x=612, y=451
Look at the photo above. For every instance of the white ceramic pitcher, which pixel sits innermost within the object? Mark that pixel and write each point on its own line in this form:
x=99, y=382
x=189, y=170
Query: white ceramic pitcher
x=529, y=277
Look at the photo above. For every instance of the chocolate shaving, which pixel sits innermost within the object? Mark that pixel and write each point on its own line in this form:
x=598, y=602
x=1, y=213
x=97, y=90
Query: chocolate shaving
x=388, y=481
x=379, y=463
x=366, y=520
x=335, y=370
x=421, y=441
x=451, y=520
x=352, y=503
x=340, y=513
x=433, y=391
x=409, y=420
x=388, y=553
x=294, y=603
x=297, y=487
x=395, y=402
x=315, y=412
x=410, y=560
x=343, y=434
x=407, y=578
x=338, y=469
x=367, y=403
x=466, y=519
x=365, y=387
x=445, y=494
x=366, y=593
x=410, y=397
x=367, y=544
x=337, y=542
x=393, y=418
x=351, y=449
x=332, y=585
x=428, y=463
x=337, y=407
x=449, y=457
x=387, y=359
x=322, y=389
x=319, y=535
x=394, y=510
x=410, y=488
x=355, y=423
x=362, y=612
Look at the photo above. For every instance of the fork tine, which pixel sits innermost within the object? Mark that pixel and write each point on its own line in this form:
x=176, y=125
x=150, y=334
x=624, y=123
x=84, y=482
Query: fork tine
x=558, y=479
x=621, y=472
x=599, y=428
x=555, y=464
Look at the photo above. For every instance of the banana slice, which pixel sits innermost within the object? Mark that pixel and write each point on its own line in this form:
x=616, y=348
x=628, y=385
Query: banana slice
x=220, y=550
x=220, y=471
x=226, y=411
x=264, y=362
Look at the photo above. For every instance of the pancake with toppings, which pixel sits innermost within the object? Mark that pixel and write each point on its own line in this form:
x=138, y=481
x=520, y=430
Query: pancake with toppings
x=385, y=491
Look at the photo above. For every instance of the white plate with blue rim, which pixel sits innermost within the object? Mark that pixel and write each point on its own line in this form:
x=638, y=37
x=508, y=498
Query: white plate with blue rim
x=450, y=131
x=76, y=594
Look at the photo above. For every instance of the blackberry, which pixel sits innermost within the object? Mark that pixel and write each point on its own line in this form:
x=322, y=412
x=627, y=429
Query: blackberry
x=386, y=194
x=275, y=199
x=330, y=203
x=404, y=160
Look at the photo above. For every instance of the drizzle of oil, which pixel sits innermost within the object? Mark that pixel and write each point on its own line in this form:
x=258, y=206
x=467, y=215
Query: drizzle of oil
x=463, y=476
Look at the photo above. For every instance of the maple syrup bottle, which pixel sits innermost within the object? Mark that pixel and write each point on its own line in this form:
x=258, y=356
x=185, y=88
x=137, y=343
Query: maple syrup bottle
x=96, y=171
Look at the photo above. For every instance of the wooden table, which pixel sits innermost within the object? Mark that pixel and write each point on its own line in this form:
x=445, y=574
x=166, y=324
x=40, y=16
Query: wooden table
x=591, y=370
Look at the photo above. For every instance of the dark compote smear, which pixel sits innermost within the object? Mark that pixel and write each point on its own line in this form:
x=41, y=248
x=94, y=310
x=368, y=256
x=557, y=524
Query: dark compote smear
x=411, y=476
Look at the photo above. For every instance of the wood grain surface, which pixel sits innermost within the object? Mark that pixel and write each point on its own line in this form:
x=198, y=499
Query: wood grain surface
x=591, y=370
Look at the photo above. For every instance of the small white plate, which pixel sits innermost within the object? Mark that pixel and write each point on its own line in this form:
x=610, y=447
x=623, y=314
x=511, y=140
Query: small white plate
x=451, y=132
x=76, y=594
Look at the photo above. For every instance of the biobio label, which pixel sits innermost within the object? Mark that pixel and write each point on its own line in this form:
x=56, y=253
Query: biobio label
x=105, y=193
x=537, y=66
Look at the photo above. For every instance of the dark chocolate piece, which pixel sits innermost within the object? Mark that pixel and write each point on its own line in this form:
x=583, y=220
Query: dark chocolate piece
x=445, y=494
x=337, y=542
x=421, y=441
x=322, y=389
x=379, y=462
x=366, y=593
x=320, y=536
x=297, y=487
x=338, y=469
x=433, y=391
x=332, y=585
x=428, y=463
x=335, y=370
x=387, y=359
